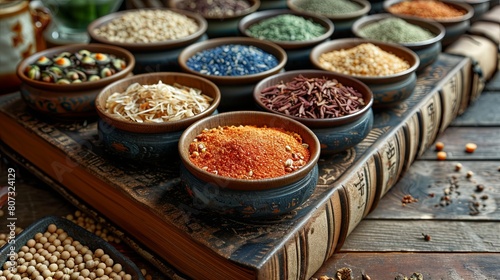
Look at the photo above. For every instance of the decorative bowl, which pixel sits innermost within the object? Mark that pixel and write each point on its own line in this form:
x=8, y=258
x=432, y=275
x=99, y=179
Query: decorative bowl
x=73, y=100
x=454, y=27
x=149, y=140
x=342, y=21
x=236, y=91
x=219, y=25
x=155, y=56
x=335, y=134
x=297, y=51
x=427, y=50
x=86, y=238
x=249, y=197
x=388, y=90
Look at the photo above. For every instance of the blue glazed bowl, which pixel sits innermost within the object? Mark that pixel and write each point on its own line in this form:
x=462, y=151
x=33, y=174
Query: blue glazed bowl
x=149, y=141
x=334, y=134
x=389, y=90
x=427, y=50
x=246, y=197
x=76, y=100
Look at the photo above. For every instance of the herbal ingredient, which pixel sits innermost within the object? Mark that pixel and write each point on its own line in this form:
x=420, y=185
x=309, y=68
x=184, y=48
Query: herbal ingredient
x=147, y=26
x=316, y=98
x=328, y=7
x=363, y=60
x=157, y=103
x=426, y=9
x=232, y=60
x=395, y=30
x=286, y=27
x=248, y=152
x=215, y=8
x=68, y=68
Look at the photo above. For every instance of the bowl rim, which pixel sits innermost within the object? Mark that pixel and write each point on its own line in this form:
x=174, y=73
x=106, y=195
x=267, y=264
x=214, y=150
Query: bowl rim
x=266, y=46
x=243, y=184
x=151, y=46
x=461, y=5
x=69, y=88
x=353, y=42
x=169, y=126
x=318, y=123
x=434, y=25
x=254, y=6
x=254, y=18
x=365, y=8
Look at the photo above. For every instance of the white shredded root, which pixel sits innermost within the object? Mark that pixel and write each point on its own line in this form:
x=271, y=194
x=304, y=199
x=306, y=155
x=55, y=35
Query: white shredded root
x=157, y=103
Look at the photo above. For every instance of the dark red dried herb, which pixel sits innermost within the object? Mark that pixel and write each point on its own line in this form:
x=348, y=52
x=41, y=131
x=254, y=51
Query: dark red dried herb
x=316, y=98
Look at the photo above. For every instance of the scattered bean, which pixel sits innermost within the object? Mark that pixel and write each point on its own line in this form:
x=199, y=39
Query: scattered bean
x=441, y=155
x=439, y=146
x=458, y=167
x=470, y=147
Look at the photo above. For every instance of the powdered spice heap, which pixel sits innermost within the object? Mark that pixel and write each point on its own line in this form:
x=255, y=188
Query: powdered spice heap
x=249, y=152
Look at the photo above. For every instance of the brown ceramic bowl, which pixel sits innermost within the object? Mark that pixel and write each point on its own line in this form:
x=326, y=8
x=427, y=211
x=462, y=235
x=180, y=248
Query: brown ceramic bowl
x=152, y=46
x=268, y=47
x=427, y=50
x=204, y=85
x=258, y=119
x=345, y=80
x=254, y=18
x=69, y=100
x=387, y=90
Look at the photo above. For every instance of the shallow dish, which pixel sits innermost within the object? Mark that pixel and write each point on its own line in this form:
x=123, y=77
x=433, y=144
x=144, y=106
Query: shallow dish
x=388, y=90
x=222, y=26
x=427, y=50
x=236, y=91
x=297, y=51
x=334, y=134
x=69, y=100
x=454, y=27
x=144, y=141
x=78, y=233
x=342, y=22
x=230, y=195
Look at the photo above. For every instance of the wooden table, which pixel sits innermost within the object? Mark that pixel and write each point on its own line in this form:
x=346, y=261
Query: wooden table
x=462, y=221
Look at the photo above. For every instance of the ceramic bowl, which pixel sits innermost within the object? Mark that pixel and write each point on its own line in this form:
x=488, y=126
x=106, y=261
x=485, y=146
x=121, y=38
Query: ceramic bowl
x=225, y=26
x=387, y=90
x=334, y=134
x=74, y=100
x=153, y=56
x=236, y=91
x=454, y=27
x=149, y=141
x=86, y=238
x=342, y=22
x=245, y=197
x=427, y=50
x=297, y=51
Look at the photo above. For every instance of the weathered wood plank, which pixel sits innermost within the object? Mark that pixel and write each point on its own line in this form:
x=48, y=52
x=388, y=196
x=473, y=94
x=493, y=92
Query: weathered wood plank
x=386, y=266
x=444, y=193
x=455, y=139
x=484, y=112
x=406, y=235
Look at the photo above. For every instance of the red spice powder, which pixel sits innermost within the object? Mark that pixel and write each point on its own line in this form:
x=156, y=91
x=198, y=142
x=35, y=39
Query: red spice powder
x=249, y=152
x=426, y=9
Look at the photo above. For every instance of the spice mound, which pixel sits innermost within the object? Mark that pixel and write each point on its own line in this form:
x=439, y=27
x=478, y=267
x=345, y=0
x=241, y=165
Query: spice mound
x=157, y=103
x=426, y=9
x=286, y=28
x=147, y=26
x=215, y=8
x=395, y=30
x=249, y=152
x=69, y=68
x=316, y=98
x=328, y=7
x=363, y=60
x=232, y=60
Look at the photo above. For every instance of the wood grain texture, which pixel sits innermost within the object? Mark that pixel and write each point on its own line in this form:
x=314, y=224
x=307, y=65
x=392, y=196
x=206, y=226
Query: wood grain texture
x=454, y=266
x=482, y=113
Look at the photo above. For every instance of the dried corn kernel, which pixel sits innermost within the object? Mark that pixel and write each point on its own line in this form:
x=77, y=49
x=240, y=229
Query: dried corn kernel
x=470, y=147
x=441, y=155
x=439, y=146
